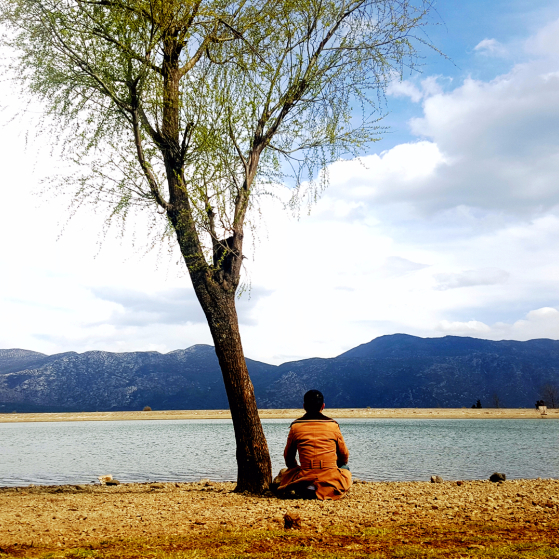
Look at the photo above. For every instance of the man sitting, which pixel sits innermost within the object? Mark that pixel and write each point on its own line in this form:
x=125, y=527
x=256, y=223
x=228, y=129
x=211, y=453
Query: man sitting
x=322, y=452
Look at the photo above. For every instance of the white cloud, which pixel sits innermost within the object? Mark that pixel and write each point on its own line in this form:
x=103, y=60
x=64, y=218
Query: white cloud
x=400, y=173
x=497, y=146
x=472, y=328
x=501, y=140
x=490, y=47
x=137, y=308
x=539, y=323
x=492, y=146
x=470, y=278
x=177, y=305
x=407, y=88
x=431, y=86
x=546, y=40
x=397, y=266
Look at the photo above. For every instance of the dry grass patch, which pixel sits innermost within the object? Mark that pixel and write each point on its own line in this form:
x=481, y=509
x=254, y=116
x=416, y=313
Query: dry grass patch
x=395, y=542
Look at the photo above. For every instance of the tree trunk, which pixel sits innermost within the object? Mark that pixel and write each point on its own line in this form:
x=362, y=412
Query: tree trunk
x=254, y=467
x=215, y=287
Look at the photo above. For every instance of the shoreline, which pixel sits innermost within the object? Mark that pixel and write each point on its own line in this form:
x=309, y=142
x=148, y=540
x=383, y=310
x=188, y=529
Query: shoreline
x=335, y=413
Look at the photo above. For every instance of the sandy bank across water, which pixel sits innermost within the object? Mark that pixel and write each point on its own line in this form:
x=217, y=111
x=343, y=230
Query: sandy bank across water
x=386, y=413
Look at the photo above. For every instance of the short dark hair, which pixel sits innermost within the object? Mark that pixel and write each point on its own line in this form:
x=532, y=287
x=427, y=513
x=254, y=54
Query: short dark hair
x=313, y=400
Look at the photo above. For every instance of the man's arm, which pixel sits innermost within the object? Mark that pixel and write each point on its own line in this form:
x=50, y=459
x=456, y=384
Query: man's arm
x=341, y=450
x=290, y=451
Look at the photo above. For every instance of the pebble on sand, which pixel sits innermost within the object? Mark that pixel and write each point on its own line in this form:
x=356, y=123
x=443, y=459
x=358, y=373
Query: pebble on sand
x=496, y=477
x=291, y=520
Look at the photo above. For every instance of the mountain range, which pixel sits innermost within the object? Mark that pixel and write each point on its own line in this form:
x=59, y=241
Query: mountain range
x=390, y=371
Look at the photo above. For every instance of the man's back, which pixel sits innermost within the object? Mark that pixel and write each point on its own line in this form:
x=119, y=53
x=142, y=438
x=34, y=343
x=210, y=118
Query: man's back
x=317, y=441
x=322, y=452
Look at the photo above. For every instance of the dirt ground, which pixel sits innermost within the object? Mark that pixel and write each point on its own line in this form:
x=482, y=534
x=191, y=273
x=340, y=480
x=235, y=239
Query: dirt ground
x=516, y=518
x=405, y=413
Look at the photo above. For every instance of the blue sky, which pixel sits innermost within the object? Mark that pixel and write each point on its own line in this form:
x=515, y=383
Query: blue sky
x=457, y=28
x=450, y=225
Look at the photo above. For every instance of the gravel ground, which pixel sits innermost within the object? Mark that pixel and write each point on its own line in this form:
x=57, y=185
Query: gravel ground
x=65, y=516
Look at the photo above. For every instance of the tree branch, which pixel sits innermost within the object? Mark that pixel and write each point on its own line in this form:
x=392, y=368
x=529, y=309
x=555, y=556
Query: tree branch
x=153, y=186
x=194, y=60
x=152, y=181
x=294, y=93
x=237, y=148
x=143, y=59
x=114, y=4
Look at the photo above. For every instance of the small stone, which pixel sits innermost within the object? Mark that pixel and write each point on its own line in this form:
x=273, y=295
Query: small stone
x=291, y=521
x=277, y=479
x=437, y=479
x=157, y=485
x=496, y=477
x=112, y=482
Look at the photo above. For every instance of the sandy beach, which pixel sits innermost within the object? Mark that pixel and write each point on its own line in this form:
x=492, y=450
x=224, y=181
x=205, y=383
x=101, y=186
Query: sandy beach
x=402, y=413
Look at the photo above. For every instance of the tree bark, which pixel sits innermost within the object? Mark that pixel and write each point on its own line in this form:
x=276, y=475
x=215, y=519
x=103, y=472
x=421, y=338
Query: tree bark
x=215, y=288
x=254, y=468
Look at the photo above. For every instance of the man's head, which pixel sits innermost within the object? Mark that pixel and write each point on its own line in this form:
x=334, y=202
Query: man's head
x=313, y=401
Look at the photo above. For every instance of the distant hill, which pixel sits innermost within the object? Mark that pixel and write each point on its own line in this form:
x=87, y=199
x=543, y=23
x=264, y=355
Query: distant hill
x=13, y=360
x=407, y=371
x=100, y=380
x=389, y=371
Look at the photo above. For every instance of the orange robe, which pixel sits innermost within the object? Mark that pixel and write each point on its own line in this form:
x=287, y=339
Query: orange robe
x=321, y=448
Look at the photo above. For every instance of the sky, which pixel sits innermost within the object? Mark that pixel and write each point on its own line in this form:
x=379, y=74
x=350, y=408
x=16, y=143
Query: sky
x=449, y=225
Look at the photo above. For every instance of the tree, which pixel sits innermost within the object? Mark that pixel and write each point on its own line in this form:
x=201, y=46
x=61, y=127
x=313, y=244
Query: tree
x=194, y=109
x=496, y=400
x=550, y=394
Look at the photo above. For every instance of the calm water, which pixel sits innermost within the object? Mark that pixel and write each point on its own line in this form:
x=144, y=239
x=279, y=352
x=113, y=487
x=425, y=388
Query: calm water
x=381, y=449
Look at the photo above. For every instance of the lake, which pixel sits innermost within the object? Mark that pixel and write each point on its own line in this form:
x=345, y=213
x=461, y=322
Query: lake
x=167, y=450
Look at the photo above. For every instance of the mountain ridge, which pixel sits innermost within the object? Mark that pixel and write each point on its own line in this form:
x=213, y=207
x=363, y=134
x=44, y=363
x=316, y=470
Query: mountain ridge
x=396, y=370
